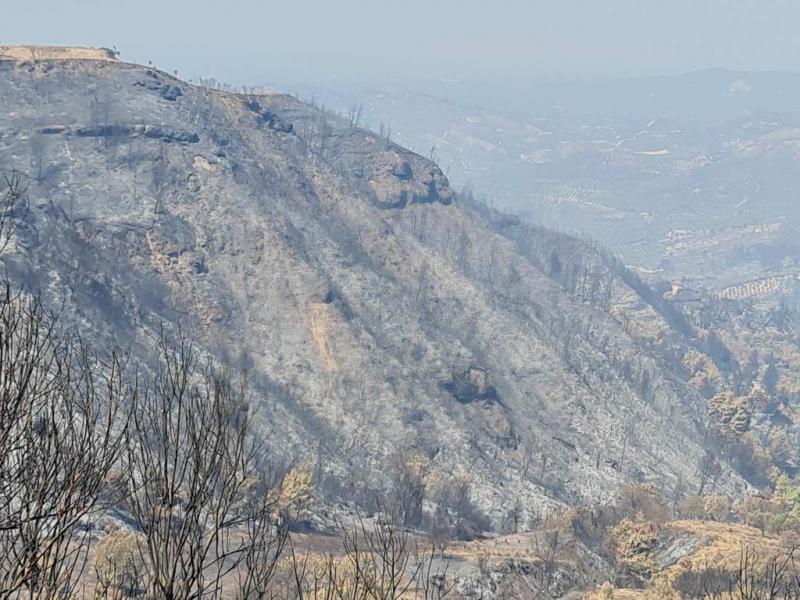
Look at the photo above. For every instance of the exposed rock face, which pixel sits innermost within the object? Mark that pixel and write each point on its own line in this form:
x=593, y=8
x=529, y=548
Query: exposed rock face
x=681, y=294
x=340, y=270
x=399, y=180
x=167, y=91
x=472, y=385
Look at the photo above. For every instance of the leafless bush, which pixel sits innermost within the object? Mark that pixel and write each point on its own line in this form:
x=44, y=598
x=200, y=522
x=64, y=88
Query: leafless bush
x=13, y=193
x=643, y=501
x=194, y=491
x=354, y=115
x=757, y=577
x=378, y=562
x=61, y=421
x=458, y=517
x=408, y=491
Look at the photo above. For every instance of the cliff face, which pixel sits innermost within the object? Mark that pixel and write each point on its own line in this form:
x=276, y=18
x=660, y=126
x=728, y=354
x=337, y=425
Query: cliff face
x=383, y=320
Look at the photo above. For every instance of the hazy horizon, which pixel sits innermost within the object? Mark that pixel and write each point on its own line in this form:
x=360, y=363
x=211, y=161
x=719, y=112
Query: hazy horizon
x=249, y=42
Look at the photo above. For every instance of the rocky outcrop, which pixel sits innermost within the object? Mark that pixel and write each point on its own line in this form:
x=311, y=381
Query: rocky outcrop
x=264, y=116
x=392, y=176
x=155, y=132
x=472, y=385
x=397, y=181
x=166, y=90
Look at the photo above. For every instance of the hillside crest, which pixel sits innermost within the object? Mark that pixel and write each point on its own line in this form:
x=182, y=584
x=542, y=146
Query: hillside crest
x=34, y=52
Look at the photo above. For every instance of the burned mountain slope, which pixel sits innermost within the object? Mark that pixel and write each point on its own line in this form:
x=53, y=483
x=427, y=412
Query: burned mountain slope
x=394, y=334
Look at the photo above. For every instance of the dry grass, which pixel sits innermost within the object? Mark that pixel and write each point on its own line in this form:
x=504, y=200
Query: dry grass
x=721, y=544
x=37, y=53
x=520, y=546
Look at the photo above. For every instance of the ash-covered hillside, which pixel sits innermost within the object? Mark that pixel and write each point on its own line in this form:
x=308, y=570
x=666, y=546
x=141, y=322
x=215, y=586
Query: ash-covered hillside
x=400, y=340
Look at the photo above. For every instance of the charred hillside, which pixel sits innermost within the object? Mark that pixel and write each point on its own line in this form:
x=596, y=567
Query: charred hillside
x=400, y=340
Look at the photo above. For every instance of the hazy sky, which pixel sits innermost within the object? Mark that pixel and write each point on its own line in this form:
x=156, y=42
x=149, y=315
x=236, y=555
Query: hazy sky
x=251, y=41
